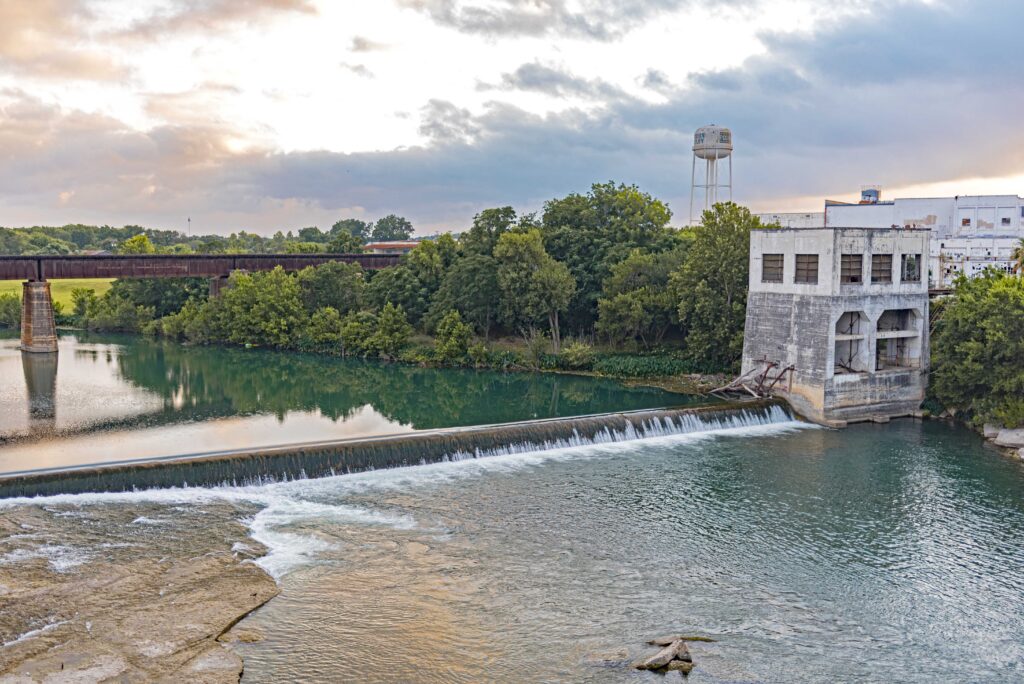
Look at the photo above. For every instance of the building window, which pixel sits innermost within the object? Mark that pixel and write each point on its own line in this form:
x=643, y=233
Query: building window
x=771, y=268
x=910, y=268
x=806, y=268
x=881, y=268
x=1006, y=220
x=966, y=223
x=851, y=268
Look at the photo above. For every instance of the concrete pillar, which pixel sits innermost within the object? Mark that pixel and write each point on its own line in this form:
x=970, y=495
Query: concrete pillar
x=220, y=283
x=38, y=330
x=217, y=285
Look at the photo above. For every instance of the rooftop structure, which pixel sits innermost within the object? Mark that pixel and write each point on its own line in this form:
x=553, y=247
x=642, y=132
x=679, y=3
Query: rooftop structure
x=846, y=311
x=391, y=247
x=970, y=233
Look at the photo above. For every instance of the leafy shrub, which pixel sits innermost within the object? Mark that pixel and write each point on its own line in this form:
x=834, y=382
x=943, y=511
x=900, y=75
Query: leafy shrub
x=453, y=337
x=356, y=331
x=577, y=355
x=392, y=333
x=10, y=311
x=478, y=354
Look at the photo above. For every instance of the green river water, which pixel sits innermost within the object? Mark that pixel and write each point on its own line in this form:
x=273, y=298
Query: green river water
x=878, y=553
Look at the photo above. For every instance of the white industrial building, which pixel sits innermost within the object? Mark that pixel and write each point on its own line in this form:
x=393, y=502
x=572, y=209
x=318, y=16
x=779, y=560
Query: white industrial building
x=838, y=317
x=969, y=233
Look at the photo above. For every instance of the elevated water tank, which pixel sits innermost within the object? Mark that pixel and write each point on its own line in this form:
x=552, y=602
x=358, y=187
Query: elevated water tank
x=712, y=142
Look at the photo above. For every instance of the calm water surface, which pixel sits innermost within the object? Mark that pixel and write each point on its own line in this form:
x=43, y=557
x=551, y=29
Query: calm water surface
x=107, y=398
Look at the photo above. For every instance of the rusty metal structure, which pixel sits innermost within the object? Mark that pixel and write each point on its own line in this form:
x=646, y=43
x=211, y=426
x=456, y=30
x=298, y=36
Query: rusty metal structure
x=41, y=268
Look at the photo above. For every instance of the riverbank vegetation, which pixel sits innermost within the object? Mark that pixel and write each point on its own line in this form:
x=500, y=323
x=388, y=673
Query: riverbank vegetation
x=977, y=350
x=595, y=282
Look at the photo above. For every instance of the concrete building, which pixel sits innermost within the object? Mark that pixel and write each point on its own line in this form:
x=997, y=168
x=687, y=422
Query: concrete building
x=846, y=310
x=970, y=233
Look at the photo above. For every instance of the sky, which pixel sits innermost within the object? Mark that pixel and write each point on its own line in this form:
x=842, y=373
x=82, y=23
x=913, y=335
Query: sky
x=266, y=115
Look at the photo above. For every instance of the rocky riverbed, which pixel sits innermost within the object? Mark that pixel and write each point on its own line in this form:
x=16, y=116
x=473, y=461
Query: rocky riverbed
x=126, y=593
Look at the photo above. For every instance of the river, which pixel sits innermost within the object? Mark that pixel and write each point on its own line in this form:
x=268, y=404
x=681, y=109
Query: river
x=884, y=553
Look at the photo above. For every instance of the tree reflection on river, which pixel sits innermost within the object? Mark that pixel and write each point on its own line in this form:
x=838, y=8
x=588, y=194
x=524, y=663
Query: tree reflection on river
x=116, y=397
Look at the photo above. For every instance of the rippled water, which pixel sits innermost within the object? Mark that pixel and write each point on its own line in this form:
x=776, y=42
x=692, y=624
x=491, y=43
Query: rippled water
x=887, y=553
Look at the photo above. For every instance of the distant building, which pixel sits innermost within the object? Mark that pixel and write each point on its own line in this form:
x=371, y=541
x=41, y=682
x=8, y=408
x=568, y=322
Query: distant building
x=847, y=310
x=970, y=233
x=390, y=247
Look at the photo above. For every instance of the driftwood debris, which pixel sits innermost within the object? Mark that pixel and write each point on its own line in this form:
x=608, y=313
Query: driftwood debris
x=674, y=655
x=668, y=639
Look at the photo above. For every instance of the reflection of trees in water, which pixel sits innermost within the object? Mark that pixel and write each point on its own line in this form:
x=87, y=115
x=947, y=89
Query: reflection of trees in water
x=258, y=381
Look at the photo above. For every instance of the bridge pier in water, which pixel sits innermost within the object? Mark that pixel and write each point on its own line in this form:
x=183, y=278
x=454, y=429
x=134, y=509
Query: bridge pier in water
x=38, y=328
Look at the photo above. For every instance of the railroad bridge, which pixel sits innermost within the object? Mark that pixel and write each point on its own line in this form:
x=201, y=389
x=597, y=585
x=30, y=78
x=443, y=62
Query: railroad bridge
x=38, y=331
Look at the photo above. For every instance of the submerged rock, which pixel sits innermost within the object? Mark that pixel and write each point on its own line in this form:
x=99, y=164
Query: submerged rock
x=662, y=657
x=683, y=666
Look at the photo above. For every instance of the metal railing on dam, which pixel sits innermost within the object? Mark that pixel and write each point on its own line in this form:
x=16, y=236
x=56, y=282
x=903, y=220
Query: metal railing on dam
x=322, y=459
x=39, y=268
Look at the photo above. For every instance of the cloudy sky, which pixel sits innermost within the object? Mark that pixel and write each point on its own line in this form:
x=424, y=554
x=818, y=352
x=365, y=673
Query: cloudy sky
x=277, y=114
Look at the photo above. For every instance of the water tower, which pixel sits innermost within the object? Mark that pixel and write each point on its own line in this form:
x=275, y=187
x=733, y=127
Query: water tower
x=711, y=144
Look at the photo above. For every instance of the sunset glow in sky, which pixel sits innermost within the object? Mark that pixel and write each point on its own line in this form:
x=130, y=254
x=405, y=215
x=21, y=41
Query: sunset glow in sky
x=277, y=114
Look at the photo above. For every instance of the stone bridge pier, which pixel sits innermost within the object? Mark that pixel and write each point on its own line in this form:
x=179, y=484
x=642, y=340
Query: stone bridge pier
x=38, y=329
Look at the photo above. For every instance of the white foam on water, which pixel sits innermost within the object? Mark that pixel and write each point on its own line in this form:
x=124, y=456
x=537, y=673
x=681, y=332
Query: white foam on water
x=287, y=507
x=60, y=558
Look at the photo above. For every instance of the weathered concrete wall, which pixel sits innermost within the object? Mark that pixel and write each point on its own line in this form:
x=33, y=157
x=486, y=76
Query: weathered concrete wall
x=38, y=330
x=795, y=323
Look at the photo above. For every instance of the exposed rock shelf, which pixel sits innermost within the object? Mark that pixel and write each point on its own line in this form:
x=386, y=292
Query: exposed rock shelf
x=138, y=605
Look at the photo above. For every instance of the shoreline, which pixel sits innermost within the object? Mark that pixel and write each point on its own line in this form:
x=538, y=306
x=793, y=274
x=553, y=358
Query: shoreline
x=161, y=610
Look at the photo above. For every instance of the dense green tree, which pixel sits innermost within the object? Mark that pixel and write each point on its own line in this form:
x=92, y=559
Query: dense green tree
x=163, y=295
x=533, y=286
x=264, y=308
x=470, y=287
x=591, y=233
x=711, y=285
x=392, y=331
x=357, y=329
x=336, y=284
x=295, y=247
x=391, y=227
x=313, y=234
x=636, y=302
x=398, y=285
x=488, y=226
x=324, y=329
x=139, y=244
x=343, y=243
x=353, y=228
x=978, y=349
x=453, y=337
x=431, y=259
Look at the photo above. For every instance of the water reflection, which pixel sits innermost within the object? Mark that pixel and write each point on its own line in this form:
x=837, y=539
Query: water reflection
x=41, y=382
x=120, y=397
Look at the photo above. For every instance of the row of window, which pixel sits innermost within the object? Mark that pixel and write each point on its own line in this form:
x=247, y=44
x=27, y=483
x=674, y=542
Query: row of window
x=851, y=268
x=966, y=222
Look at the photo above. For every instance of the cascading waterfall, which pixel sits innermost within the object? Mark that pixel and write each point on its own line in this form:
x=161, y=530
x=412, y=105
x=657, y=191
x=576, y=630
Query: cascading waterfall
x=300, y=461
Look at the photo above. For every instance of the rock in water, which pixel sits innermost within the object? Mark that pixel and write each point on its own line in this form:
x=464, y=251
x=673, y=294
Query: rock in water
x=679, y=666
x=661, y=658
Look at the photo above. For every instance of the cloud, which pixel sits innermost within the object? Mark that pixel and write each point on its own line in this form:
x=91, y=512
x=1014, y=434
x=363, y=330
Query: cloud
x=595, y=19
x=556, y=82
x=43, y=39
x=357, y=69
x=361, y=44
x=806, y=123
x=205, y=16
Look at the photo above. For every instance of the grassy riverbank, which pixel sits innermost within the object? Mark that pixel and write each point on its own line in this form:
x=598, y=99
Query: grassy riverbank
x=60, y=290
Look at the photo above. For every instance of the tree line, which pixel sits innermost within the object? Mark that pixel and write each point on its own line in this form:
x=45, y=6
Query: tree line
x=592, y=275
x=345, y=236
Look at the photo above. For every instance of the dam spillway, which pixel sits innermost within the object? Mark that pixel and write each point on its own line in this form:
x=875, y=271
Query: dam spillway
x=327, y=458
